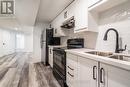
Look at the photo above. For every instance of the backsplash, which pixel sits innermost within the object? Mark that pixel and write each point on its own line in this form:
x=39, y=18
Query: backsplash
x=90, y=38
x=118, y=18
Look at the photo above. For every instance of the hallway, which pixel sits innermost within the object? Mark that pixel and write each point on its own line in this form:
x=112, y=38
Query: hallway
x=17, y=71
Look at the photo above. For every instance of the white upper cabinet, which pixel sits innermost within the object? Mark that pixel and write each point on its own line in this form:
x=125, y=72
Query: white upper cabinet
x=81, y=15
x=102, y=5
x=68, y=12
x=92, y=3
x=58, y=32
x=78, y=9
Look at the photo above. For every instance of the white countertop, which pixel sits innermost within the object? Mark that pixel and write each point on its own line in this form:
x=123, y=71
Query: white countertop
x=110, y=61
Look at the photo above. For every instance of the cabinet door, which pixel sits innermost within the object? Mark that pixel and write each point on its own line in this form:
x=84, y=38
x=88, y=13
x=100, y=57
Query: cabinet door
x=81, y=15
x=51, y=57
x=69, y=11
x=5, y=42
x=58, y=32
x=51, y=62
x=87, y=72
x=111, y=76
x=71, y=72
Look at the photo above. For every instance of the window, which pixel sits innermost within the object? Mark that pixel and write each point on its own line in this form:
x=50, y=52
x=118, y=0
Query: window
x=19, y=41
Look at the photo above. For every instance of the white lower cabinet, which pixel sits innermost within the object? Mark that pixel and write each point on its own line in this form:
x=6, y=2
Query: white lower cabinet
x=84, y=72
x=111, y=76
x=72, y=72
x=87, y=72
x=51, y=56
x=81, y=72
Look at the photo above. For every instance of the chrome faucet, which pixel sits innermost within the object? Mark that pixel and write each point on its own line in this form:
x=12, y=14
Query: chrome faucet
x=117, y=50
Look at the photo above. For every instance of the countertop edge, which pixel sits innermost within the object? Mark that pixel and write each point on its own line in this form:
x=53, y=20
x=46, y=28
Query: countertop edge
x=117, y=63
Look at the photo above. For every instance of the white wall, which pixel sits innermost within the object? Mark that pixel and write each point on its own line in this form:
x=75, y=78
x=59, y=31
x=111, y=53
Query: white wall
x=7, y=37
x=39, y=26
x=118, y=18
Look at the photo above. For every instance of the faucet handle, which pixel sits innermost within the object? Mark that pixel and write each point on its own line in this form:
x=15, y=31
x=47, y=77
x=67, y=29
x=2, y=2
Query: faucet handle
x=123, y=49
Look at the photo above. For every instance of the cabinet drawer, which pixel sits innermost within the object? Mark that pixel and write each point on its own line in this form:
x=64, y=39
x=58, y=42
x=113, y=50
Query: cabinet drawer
x=72, y=62
x=73, y=57
x=70, y=79
x=71, y=72
x=69, y=82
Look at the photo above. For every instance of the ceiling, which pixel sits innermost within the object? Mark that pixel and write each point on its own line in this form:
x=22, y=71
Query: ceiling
x=49, y=9
x=25, y=14
x=28, y=11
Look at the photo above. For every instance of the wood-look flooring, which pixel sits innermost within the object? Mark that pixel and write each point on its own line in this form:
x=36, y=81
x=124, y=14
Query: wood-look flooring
x=17, y=71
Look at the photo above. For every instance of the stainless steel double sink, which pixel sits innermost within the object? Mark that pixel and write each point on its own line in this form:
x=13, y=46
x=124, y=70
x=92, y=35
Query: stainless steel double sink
x=110, y=55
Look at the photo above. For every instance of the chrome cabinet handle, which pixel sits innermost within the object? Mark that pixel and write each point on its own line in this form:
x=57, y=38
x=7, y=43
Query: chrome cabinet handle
x=102, y=75
x=70, y=67
x=70, y=74
x=95, y=72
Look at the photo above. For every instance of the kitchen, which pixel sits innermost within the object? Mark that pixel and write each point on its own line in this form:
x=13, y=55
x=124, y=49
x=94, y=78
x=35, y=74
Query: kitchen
x=68, y=43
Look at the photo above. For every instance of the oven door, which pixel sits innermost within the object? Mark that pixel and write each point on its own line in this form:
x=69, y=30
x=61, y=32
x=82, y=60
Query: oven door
x=59, y=61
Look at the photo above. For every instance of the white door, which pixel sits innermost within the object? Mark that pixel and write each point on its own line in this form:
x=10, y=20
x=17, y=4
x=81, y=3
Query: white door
x=87, y=72
x=111, y=76
x=1, y=43
x=5, y=42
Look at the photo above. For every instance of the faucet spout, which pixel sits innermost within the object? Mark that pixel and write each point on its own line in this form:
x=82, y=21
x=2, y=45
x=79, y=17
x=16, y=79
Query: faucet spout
x=117, y=38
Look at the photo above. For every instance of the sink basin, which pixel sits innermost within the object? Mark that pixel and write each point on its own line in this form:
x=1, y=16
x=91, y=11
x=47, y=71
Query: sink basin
x=105, y=54
x=121, y=57
x=110, y=55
